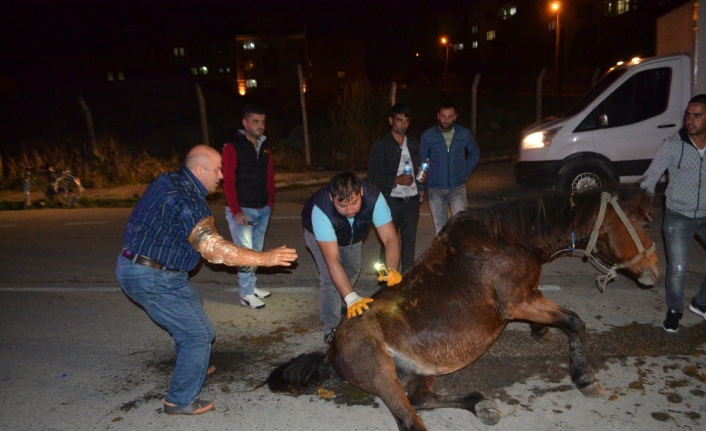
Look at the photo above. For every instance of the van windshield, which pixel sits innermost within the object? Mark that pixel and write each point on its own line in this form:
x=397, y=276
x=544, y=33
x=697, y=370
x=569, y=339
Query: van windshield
x=588, y=98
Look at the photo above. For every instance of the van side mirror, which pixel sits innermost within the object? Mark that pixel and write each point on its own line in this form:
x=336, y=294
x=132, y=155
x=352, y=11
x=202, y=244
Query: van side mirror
x=603, y=120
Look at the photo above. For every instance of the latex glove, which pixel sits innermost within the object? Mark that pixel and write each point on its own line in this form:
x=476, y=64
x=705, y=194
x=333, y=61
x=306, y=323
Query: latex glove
x=393, y=277
x=356, y=304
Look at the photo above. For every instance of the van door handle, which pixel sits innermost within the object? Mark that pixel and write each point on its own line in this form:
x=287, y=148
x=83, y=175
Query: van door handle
x=666, y=126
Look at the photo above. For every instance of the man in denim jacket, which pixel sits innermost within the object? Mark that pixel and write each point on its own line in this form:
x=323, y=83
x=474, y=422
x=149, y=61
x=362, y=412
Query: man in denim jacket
x=453, y=155
x=682, y=156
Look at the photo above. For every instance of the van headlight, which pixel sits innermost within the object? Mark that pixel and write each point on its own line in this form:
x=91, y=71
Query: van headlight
x=539, y=139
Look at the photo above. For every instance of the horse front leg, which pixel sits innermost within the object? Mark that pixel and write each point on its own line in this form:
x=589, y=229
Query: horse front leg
x=541, y=311
x=421, y=396
x=369, y=367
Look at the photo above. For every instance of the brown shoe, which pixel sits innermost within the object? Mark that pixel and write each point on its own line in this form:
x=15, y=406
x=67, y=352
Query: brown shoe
x=195, y=408
x=211, y=370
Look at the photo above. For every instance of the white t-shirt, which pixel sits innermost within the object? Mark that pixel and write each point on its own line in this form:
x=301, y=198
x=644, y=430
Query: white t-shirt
x=401, y=191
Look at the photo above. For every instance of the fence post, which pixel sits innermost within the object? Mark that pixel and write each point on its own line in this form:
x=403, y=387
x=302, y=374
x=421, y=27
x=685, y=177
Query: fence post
x=393, y=93
x=304, y=120
x=540, y=78
x=89, y=125
x=202, y=113
x=474, y=103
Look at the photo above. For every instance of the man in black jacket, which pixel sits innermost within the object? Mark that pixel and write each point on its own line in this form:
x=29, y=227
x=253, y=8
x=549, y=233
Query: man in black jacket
x=392, y=168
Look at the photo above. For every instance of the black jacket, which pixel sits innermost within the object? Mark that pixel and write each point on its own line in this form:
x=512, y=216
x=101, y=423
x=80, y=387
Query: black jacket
x=385, y=159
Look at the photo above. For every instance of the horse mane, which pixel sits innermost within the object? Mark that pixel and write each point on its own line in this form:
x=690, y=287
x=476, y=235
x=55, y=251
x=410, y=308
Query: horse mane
x=536, y=222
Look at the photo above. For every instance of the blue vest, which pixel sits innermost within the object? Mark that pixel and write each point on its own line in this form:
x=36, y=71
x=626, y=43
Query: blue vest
x=361, y=221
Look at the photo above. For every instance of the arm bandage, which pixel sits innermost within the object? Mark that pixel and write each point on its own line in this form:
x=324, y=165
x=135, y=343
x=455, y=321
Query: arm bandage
x=215, y=249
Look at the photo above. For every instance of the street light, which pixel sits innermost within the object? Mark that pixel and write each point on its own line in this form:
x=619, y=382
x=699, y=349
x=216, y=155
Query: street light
x=445, y=41
x=555, y=7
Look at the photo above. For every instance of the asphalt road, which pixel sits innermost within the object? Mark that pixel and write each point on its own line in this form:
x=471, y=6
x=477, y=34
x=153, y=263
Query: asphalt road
x=76, y=354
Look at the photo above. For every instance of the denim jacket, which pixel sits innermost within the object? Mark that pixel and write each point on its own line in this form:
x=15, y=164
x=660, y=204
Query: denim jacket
x=449, y=169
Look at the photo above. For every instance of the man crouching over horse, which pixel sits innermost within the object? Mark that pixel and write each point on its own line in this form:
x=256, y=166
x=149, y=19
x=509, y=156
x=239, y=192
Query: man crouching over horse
x=336, y=219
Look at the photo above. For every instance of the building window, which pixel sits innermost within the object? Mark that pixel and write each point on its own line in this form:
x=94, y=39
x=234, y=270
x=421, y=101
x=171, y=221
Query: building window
x=251, y=83
x=249, y=45
x=111, y=77
x=619, y=7
x=490, y=35
x=224, y=70
x=178, y=51
x=475, y=44
x=507, y=11
x=458, y=47
x=474, y=29
x=194, y=71
x=552, y=25
x=121, y=76
x=341, y=73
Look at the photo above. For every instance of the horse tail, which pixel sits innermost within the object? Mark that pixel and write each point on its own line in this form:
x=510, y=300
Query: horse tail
x=300, y=373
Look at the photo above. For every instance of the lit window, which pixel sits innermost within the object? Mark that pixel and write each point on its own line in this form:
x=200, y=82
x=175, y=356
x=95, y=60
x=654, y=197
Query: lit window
x=475, y=44
x=178, y=51
x=341, y=73
x=490, y=35
x=249, y=65
x=121, y=76
x=181, y=52
x=458, y=47
x=194, y=71
x=251, y=83
x=248, y=45
x=507, y=11
x=474, y=29
x=110, y=76
x=203, y=70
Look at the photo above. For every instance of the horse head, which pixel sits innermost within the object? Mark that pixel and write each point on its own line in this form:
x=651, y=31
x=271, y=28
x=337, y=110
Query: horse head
x=622, y=235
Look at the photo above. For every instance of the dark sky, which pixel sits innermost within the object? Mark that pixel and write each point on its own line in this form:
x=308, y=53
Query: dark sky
x=393, y=29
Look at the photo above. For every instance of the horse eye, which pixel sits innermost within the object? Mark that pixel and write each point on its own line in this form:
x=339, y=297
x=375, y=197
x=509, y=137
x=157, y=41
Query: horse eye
x=645, y=225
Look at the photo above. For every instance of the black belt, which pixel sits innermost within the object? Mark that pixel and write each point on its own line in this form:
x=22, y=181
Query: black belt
x=404, y=199
x=144, y=261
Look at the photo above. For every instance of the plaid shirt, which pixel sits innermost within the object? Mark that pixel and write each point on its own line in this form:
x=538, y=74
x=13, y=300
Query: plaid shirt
x=160, y=225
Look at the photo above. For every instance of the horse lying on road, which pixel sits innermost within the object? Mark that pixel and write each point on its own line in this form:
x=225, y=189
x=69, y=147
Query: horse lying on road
x=481, y=272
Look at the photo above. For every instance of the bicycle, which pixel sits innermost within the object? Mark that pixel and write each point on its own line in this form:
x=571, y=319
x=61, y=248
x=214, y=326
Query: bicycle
x=64, y=185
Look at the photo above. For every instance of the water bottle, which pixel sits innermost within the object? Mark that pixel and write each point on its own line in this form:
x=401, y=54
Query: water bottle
x=407, y=167
x=422, y=174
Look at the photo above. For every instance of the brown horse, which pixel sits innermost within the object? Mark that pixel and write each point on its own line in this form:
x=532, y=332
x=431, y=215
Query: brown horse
x=480, y=273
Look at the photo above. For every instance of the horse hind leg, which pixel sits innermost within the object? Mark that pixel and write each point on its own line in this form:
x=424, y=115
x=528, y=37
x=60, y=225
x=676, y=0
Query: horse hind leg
x=422, y=398
x=540, y=312
x=540, y=333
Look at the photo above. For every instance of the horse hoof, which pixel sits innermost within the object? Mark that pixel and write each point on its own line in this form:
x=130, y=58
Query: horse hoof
x=488, y=412
x=594, y=390
x=543, y=336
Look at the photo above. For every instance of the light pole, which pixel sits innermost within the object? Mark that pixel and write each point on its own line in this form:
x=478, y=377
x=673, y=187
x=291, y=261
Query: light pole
x=555, y=7
x=445, y=41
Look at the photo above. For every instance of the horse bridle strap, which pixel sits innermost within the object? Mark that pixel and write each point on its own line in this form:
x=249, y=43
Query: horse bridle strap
x=641, y=251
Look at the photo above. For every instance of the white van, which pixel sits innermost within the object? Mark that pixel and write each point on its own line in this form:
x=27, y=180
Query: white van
x=612, y=132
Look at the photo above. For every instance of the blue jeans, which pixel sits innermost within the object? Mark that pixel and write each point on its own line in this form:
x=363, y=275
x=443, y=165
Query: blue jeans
x=175, y=305
x=330, y=299
x=251, y=236
x=679, y=230
x=440, y=199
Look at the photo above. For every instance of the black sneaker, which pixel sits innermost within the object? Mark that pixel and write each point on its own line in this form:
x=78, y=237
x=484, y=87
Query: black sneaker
x=696, y=308
x=329, y=337
x=671, y=323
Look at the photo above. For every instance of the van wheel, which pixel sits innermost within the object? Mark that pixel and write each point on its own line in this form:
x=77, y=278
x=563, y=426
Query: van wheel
x=578, y=178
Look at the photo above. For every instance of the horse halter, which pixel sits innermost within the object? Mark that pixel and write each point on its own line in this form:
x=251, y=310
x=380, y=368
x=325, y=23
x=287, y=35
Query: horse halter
x=611, y=274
